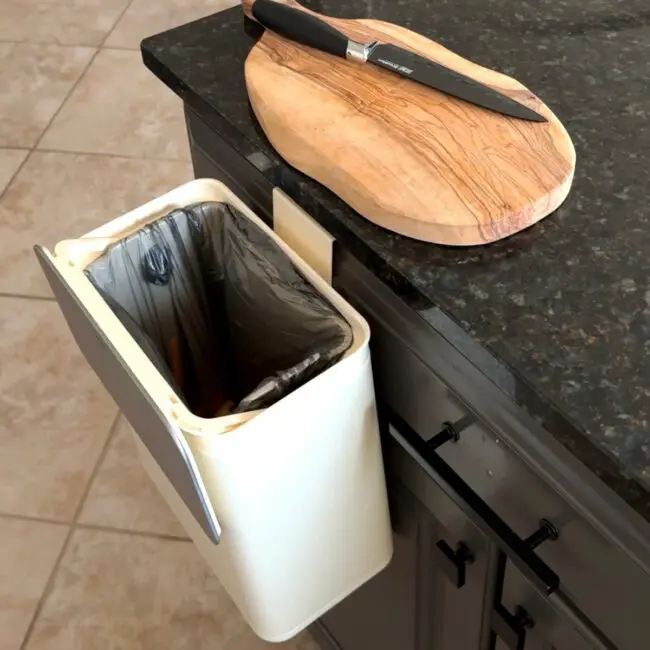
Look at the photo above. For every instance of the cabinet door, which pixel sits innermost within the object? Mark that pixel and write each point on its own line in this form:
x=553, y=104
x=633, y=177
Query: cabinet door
x=383, y=614
x=459, y=609
x=545, y=627
x=462, y=588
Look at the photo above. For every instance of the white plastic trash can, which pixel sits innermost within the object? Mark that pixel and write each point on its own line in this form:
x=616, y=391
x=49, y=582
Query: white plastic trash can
x=287, y=504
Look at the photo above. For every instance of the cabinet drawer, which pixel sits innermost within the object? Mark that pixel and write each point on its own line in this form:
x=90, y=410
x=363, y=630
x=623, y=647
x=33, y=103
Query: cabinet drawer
x=589, y=566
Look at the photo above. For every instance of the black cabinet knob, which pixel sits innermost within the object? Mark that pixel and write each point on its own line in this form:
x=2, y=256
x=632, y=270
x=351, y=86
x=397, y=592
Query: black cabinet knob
x=454, y=563
x=511, y=628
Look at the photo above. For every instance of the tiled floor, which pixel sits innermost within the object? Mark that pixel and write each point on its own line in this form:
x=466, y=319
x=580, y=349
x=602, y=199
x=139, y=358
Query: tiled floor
x=90, y=555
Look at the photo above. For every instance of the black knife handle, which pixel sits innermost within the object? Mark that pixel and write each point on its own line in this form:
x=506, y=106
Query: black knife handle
x=300, y=26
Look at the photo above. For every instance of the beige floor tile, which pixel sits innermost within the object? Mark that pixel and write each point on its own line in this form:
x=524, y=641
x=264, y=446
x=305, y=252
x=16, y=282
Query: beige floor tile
x=123, y=495
x=71, y=22
x=120, y=107
x=34, y=81
x=28, y=551
x=129, y=592
x=55, y=415
x=10, y=160
x=61, y=196
x=145, y=18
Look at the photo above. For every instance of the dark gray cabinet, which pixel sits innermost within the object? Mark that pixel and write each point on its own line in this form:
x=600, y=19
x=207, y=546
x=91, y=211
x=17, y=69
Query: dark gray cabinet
x=508, y=475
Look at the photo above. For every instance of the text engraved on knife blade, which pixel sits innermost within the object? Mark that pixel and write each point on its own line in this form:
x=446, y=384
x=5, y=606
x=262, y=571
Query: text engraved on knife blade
x=396, y=66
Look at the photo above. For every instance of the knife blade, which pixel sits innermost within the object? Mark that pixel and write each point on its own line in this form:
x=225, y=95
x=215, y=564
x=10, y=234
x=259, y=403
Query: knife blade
x=308, y=29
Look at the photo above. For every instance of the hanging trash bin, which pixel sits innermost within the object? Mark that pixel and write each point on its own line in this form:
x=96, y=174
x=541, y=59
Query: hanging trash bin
x=247, y=382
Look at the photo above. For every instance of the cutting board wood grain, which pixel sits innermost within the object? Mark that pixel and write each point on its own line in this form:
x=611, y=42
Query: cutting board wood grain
x=408, y=158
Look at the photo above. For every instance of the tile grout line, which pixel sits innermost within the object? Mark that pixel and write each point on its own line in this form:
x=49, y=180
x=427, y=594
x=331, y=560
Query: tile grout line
x=35, y=519
x=49, y=123
x=98, y=49
x=18, y=170
x=124, y=156
x=69, y=93
x=90, y=526
x=72, y=45
x=133, y=533
x=25, y=296
x=116, y=23
x=49, y=585
x=65, y=101
x=76, y=83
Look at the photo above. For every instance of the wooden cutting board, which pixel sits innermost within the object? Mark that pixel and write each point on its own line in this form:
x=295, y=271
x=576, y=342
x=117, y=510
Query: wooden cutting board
x=408, y=158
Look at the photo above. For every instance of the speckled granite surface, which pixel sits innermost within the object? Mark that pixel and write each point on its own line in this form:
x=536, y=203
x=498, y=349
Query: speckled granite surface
x=559, y=315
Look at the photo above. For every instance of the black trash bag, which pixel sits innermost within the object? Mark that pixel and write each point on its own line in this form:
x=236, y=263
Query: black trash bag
x=220, y=309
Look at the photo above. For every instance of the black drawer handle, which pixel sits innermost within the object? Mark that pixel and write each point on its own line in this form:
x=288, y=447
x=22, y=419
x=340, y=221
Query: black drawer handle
x=519, y=550
x=511, y=628
x=546, y=531
x=454, y=563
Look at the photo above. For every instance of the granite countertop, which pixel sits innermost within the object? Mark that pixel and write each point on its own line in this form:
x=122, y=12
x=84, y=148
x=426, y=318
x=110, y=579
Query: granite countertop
x=559, y=315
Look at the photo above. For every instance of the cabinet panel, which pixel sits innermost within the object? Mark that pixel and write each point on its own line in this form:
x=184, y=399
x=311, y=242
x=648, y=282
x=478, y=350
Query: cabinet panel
x=547, y=627
x=460, y=613
x=436, y=593
x=460, y=610
x=545, y=645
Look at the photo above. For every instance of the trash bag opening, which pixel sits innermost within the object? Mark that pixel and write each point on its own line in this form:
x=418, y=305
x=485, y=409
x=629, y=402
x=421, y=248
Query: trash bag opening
x=220, y=309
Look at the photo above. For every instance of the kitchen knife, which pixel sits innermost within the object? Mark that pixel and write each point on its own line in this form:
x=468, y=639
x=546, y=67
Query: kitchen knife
x=305, y=28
